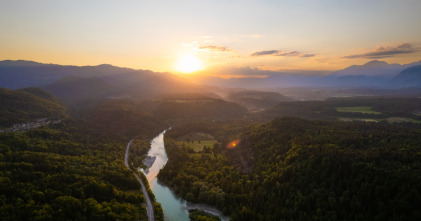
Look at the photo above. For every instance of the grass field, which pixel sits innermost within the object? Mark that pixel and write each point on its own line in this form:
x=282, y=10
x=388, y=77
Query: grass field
x=197, y=141
x=390, y=119
x=402, y=119
x=196, y=146
x=363, y=110
x=359, y=119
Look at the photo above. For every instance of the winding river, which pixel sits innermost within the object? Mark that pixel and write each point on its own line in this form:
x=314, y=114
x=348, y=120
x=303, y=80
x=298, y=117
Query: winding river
x=174, y=207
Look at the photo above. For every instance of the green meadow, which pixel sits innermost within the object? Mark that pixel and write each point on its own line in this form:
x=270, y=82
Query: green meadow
x=197, y=141
x=364, y=110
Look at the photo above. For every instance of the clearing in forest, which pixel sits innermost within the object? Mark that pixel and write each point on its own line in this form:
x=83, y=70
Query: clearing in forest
x=197, y=141
x=363, y=110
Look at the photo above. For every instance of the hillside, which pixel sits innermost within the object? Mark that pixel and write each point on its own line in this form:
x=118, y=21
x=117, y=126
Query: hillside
x=257, y=100
x=293, y=169
x=178, y=109
x=386, y=107
x=118, y=118
x=81, y=83
x=21, y=74
x=66, y=173
x=21, y=106
x=371, y=68
x=410, y=77
x=79, y=88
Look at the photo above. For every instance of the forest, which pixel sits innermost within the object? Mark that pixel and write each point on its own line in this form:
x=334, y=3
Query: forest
x=281, y=168
x=294, y=169
x=21, y=106
x=73, y=170
x=208, y=110
x=387, y=107
x=54, y=174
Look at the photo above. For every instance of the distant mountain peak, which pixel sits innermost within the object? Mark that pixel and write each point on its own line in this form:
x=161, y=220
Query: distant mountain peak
x=410, y=77
x=106, y=65
x=21, y=63
x=372, y=68
x=375, y=63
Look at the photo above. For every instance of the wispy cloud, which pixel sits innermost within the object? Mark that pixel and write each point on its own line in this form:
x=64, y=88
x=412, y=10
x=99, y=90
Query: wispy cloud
x=281, y=53
x=307, y=55
x=384, y=52
x=215, y=48
x=262, y=53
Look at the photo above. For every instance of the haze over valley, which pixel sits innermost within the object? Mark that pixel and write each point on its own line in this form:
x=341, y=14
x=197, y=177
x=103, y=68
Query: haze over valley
x=210, y=110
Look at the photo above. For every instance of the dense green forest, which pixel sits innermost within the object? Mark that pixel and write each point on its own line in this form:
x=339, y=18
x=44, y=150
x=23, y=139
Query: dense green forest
x=200, y=215
x=21, y=106
x=283, y=169
x=293, y=169
x=326, y=110
x=53, y=174
x=73, y=170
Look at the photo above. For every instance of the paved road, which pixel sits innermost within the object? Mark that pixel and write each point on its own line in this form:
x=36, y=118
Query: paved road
x=149, y=207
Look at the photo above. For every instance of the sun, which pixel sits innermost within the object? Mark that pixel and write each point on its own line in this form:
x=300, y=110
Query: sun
x=188, y=64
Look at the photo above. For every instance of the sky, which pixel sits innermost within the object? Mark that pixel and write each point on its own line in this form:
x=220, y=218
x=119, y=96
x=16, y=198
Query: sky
x=220, y=34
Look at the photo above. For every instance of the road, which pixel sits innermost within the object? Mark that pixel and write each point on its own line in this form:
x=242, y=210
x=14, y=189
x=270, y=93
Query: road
x=149, y=207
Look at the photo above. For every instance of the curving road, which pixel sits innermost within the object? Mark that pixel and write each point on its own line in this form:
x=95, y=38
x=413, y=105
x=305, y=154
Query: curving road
x=149, y=207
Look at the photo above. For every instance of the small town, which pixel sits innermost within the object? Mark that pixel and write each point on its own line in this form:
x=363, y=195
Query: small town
x=30, y=125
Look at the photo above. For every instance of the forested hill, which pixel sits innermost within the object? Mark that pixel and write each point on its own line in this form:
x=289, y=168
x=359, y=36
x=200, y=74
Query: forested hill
x=293, y=169
x=21, y=106
x=73, y=170
x=334, y=170
x=66, y=173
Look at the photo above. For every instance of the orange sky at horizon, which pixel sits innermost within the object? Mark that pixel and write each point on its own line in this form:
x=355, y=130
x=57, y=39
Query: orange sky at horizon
x=322, y=35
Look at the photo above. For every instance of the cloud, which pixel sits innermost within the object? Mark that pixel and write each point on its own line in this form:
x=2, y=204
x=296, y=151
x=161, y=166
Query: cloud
x=307, y=55
x=216, y=48
x=288, y=53
x=282, y=53
x=261, y=53
x=384, y=52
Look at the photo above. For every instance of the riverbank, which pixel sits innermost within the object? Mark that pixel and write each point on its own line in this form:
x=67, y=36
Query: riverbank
x=149, y=207
x=174, y=208
x=207, y=209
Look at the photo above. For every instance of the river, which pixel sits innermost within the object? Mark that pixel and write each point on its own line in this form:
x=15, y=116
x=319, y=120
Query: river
x=174, y=207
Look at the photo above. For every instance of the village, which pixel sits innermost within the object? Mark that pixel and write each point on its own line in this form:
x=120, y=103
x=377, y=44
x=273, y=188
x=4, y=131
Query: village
x=30, y=125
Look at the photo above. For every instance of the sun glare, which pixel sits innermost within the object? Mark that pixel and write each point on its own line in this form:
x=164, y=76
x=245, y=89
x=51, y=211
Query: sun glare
x=188, y=64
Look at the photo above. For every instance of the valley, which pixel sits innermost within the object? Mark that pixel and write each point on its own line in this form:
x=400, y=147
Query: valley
x=239, y=153
x=210, y=110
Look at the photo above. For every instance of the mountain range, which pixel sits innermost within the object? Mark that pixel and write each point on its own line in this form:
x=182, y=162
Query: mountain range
x=90, y=82
x=374, y=74
x=87, y=82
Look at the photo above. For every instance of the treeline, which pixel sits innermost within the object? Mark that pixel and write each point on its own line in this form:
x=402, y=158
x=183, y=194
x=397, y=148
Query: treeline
x=123, y=119
x=292, y=169
x=325, y=110
x=178, y=110
x=128, y=118
x=194, y=178
x=51, y=174
x=73, y=170
x=200, y=215
x=138, y=151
